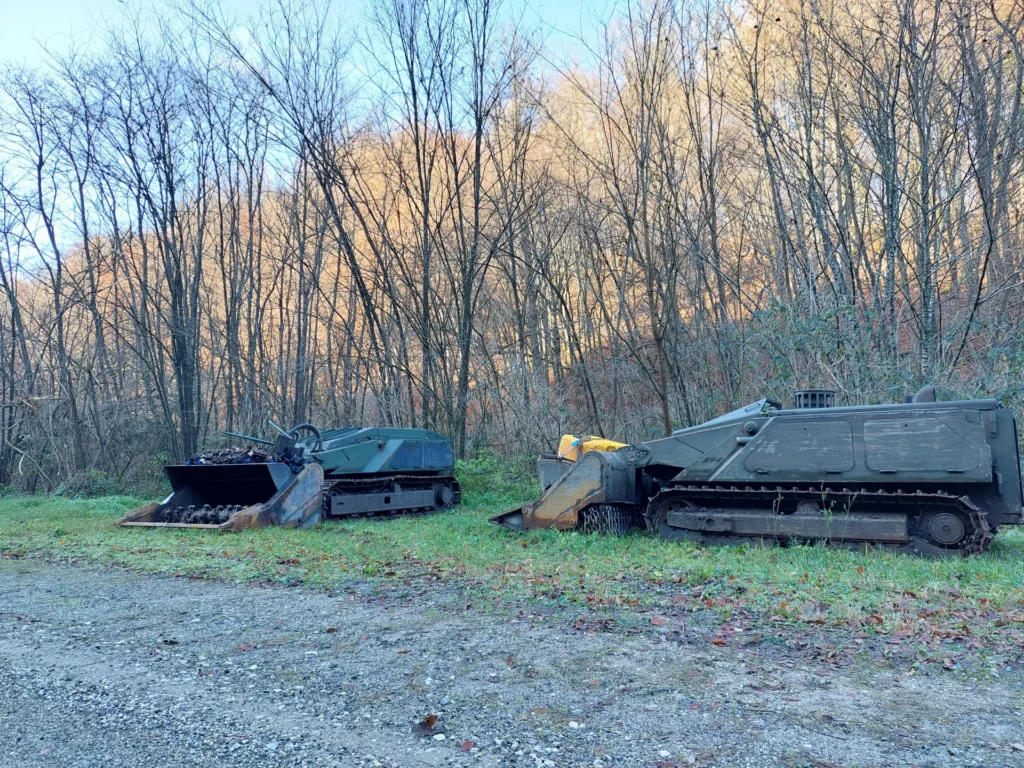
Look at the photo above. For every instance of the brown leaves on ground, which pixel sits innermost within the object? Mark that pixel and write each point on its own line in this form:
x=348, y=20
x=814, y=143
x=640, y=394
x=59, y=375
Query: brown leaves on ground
x=426, y=726
x=593, y=624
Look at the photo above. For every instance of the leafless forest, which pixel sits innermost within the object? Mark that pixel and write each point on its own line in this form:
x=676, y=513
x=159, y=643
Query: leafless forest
x=434, y=217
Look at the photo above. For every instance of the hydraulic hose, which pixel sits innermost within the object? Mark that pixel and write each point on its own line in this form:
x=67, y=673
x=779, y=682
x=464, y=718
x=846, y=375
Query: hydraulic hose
x=319, y=445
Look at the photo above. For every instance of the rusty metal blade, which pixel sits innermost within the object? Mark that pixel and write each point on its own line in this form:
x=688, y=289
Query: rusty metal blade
x=513, y=519
x=584, y=484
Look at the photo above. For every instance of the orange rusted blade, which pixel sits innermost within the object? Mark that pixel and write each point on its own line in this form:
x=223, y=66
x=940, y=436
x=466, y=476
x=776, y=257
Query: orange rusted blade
x=559, y=507
x=513, y=519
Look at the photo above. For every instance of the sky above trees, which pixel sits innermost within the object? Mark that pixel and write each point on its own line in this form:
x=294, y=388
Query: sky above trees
x=56, y=24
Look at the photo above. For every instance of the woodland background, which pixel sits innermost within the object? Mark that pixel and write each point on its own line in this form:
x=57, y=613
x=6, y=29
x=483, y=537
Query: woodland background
x=430, y=219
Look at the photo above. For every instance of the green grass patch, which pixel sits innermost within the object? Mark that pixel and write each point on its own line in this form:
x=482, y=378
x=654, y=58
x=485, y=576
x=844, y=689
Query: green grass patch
x=876, y=592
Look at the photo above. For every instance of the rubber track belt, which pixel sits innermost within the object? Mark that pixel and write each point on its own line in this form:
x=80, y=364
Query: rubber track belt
x=976, y=542
x=356, y=485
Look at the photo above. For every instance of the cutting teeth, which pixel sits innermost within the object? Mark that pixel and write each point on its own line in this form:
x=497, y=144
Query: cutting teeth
x=204, y=515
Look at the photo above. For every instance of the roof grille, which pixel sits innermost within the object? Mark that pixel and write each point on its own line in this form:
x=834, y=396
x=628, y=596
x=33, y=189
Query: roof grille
x=815, y=398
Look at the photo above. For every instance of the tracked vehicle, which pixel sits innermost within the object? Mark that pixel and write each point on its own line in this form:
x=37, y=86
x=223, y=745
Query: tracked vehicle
x=933, y=478
x=306, y=475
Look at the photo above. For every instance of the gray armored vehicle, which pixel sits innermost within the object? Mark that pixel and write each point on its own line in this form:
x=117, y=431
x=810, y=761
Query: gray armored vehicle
x=935, y=478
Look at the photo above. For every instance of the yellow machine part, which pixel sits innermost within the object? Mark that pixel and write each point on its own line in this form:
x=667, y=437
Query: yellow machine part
x=572, y=447
x=572, y=480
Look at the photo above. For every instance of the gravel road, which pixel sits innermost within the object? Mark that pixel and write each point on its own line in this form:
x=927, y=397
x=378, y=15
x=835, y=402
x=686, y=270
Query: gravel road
x=109, y=668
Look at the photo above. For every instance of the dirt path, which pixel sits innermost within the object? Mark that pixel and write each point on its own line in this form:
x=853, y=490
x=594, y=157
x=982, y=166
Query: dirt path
x=117, y=669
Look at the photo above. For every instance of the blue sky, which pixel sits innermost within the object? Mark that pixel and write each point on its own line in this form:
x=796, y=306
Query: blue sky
x=56, y=23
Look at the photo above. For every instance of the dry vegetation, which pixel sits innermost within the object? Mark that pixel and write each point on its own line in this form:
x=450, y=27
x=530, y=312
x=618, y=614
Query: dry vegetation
x=429, y=221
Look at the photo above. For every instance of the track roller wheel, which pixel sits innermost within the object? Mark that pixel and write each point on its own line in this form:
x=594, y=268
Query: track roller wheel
x=443, y=495
x=656, y=513
x=949, y=531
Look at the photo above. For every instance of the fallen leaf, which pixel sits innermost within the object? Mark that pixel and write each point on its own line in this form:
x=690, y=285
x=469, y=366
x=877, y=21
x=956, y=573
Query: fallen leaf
x=466, y=746
x=332, y=629
x=860, y=570
x=718, y=641
x=657, y=621
x=425, y=727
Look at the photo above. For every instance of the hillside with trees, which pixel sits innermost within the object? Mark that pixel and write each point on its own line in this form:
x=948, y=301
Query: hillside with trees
x=435, y=218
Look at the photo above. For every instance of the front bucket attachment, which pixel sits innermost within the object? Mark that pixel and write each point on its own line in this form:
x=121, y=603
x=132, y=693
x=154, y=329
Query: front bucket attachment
x=597, y=478
x=233, y=497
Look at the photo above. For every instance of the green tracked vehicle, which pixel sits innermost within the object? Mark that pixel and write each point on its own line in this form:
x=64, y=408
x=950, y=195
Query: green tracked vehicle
x=923, y=476
x=305, y=475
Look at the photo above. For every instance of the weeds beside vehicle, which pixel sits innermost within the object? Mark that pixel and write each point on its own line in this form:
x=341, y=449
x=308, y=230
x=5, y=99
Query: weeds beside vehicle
x=881, y=591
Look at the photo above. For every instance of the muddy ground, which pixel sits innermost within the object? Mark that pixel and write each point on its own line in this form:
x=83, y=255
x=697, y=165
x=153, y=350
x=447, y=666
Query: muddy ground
x=118, y=669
